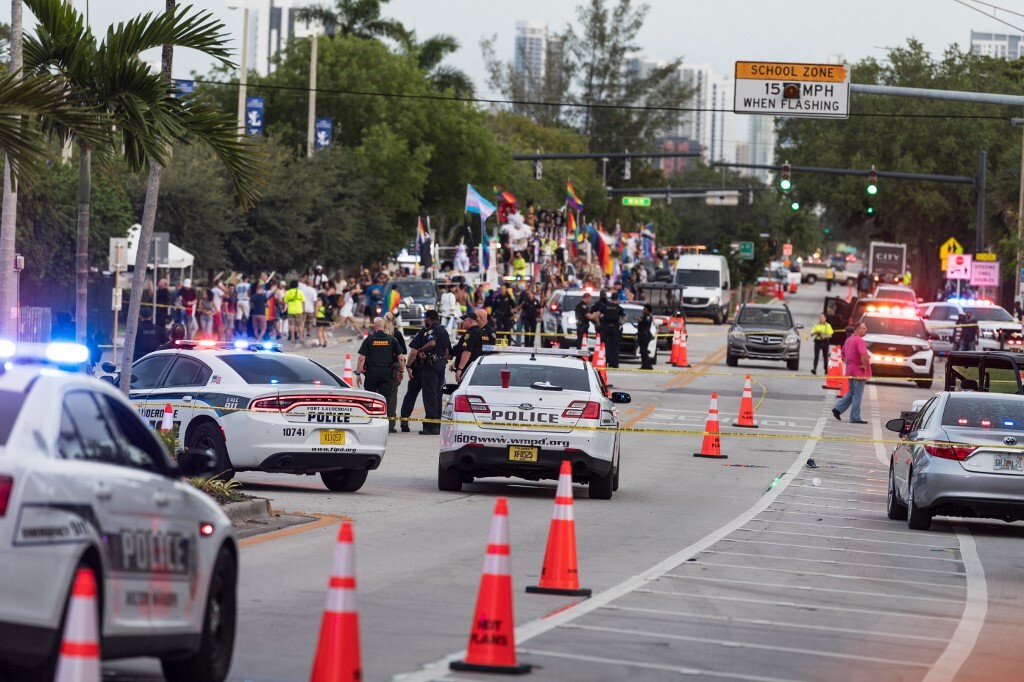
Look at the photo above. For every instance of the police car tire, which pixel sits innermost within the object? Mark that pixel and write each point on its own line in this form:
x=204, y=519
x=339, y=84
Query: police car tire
x=449, y=480
x=208, y=436
x=213, y=658
x=602, y=487
x=344, y=480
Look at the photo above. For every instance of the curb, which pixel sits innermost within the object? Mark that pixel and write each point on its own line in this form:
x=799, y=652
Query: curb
x=240, y=512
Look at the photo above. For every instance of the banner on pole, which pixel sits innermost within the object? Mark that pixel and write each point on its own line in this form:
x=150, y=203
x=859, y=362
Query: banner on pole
x=322, y=132
x=254, y=115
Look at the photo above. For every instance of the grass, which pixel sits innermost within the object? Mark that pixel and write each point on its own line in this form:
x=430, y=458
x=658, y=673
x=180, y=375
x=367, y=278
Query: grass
x=224, y=492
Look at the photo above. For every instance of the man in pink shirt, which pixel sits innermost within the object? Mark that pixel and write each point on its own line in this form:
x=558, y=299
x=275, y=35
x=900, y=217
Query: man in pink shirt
x=858, y=368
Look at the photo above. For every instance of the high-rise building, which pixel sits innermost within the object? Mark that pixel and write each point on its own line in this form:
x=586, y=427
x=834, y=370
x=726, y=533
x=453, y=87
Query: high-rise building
x=761, y=143
x=531, y=50
x=273, y=24
x=1000, y=45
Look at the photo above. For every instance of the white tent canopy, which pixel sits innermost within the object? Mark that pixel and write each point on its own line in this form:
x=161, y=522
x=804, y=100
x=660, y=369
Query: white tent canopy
x=177, y=257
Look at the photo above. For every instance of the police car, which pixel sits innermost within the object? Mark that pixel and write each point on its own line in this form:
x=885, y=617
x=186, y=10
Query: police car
x=85, y=483
x=899, y=347
x=550, y=406
x=263, y=410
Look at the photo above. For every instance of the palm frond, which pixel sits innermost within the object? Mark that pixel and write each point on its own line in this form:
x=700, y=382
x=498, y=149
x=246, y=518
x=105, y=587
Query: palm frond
x=199, y=31
x=432, y=51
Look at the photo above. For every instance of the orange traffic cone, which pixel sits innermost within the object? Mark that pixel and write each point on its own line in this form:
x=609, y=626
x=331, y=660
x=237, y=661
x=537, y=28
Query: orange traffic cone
x=712, y=446
x=167, y=423
x=492, y=638
x=792, y=287
x=80, y=645
x=844, y=385
x=835, y=369
x=560, y=574
x=347, y=372
x=601, y=361
x=681, y=359
x=746, y=418
x=337, y=652
x=780, y=291
x=674, y=355
x=584, y=347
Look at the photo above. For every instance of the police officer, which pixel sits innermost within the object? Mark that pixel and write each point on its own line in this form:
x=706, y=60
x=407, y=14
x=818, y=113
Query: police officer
x=149, y=336
x=529, y=312
x=378, y=354
x=583, y=318
x=611, y=321
x=473, y=346
x=488, y=334
x=644, y=336
x=177, y=334
x=501, y=308
x=434, y=351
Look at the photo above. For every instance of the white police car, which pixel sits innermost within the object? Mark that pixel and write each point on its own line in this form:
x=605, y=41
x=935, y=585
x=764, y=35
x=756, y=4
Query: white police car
x=260, y=409
x=84, y=482
x=553, y=407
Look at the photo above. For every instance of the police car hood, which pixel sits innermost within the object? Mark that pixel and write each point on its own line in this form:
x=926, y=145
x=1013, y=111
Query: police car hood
x=993, y=325
x=895, y=340
x=527, y=408
x=313, y=404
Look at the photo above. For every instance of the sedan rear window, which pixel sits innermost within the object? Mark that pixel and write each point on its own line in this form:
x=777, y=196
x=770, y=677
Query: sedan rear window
x=12, y=402
x=260, y=368
x=526, y=375
x=999, y=413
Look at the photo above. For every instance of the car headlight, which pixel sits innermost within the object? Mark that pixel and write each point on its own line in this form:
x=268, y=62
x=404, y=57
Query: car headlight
x=737, y=336
x=713, y=300
x=792, y=338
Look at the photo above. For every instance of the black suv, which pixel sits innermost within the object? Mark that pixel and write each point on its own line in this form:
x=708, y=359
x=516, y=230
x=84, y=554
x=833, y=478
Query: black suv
x=764, y=332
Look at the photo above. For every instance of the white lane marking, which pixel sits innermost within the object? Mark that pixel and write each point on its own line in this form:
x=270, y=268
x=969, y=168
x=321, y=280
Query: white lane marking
x=778, y=623
x=747, y=645
x=870, y=486
x=881, y=519
x=843, y=549
x=848, y=537
x=876, y=427
x=895, y=581
x=840, y=563
x=961, y=644
x=821, y=525
x=539, y=626
x=830, y=506
x=833, y=499
x=689, y=672
x=792, y=605
x=813, y=588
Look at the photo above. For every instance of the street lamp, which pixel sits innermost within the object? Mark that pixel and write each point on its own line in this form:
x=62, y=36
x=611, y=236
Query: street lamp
x=243, y=71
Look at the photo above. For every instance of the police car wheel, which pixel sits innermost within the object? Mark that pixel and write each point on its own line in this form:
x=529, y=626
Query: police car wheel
x=449, y=480
x=345, y=480
x=208, y=437
x=601, y=487
x=213, y=659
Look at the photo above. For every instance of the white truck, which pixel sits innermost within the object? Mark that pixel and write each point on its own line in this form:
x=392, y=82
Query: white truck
x=887, y=262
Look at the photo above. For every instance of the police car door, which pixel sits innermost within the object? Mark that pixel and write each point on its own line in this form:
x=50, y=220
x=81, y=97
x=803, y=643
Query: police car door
x=179, y=388
x=90, y=441
x=146, y=375
x=165, y=545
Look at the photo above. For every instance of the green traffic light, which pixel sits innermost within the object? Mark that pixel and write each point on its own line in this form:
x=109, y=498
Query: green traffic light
x=872, y=189
x=785, y=185
x=795, y=206
x=871, y=209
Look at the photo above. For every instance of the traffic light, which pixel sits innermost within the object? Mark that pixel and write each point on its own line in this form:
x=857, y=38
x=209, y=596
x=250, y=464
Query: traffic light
x=785, y=178
x=870, y=210
x=538, y=169
x=828, y=234
x=795, y=205
x=872, y=188
x=627, y=169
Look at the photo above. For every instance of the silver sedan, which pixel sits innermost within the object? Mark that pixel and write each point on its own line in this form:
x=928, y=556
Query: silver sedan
x=961, y=455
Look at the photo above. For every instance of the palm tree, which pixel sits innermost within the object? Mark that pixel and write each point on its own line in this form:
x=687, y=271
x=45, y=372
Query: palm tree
x=167, y=121
x=110, y=78
x=429, y=56
x=359, y=18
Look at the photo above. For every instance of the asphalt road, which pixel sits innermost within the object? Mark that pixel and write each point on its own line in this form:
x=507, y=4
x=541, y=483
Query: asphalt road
x=750, y=568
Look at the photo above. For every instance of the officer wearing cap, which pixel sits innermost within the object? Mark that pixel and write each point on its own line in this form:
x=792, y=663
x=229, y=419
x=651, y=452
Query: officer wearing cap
x=473, y=346
x=430, y=349
x=378, y=354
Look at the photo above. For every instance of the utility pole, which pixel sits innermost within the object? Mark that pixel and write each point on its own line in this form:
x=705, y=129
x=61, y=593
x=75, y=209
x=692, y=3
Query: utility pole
x=311, y=123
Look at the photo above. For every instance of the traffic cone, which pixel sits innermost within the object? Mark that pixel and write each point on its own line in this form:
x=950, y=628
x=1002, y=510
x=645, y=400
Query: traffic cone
x=681, y=359
x=337, y=651
x=849, y=292
x=835, y=369
x=347, y=372
x=675, y=348
x=167, y=423
x=711, y=447
x=746, y=418
x=80, y=645
x=792, y=287
x=601, y=361
x=492, y=637
x=780, y=291
x=584, y=347
x=844, y=385
x=559, y=574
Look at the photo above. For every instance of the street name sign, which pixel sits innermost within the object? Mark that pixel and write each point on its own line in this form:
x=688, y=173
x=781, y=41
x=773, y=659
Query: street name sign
x=792, y=89
x=636, y=201
x=746, y=250
x=722, y=198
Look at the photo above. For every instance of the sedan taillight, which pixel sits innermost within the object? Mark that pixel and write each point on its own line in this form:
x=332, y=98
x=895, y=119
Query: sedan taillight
x=582, y=409
x=471, y=403
x=950, y=451
x=6, y=486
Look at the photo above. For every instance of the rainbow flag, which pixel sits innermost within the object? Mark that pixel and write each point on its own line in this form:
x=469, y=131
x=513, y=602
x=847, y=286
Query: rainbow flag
x=503, y=196
x=393, y=299
x=571, y=198
x=421, y=234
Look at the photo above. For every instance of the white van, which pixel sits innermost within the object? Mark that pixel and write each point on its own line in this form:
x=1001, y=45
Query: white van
x=707, y=291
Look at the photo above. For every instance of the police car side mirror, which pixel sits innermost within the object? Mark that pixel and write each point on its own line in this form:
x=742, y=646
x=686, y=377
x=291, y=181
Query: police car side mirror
x=108, y=367
x=621, y=397
x=197, y=463
x=110, y=378
x=448, y=389
x=896, y=425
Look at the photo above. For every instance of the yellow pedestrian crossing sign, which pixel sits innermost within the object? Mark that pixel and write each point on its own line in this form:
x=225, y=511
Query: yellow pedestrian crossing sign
x=949, y=248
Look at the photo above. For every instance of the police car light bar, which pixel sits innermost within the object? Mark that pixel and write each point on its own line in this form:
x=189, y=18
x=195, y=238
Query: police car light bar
x=210, y=344
x=517, y=350
x=58, y=353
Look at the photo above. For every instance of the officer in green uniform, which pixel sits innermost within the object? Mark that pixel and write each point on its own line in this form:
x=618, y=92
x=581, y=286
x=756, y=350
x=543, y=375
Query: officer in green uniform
x=378, y=355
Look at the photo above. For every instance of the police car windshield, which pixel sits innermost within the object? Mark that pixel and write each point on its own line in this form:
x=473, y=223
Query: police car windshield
x=986, y=314
x=12, y=402
x=633, y=315
x=910, y=326
x=274, y=368
x=976, y=413
x=418, y=291
x=526, y=374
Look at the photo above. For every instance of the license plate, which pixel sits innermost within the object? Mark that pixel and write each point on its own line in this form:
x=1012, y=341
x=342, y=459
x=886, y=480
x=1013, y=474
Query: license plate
x=1009, y=463
x=522, y=453
x=332, y=438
